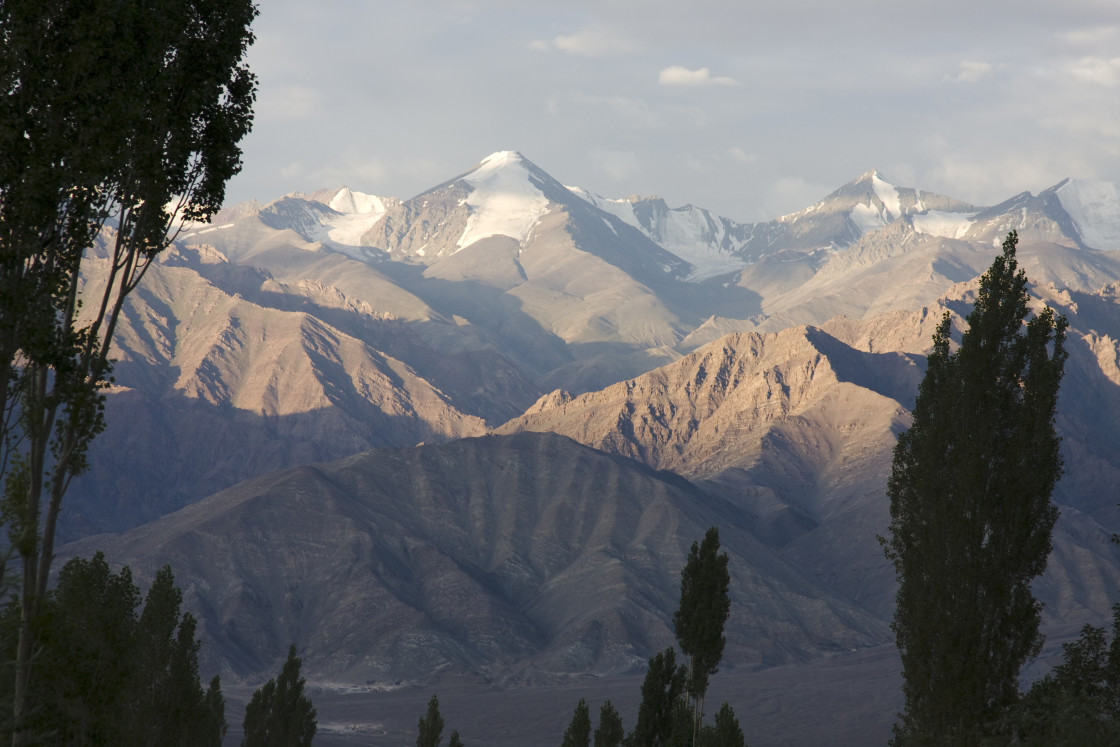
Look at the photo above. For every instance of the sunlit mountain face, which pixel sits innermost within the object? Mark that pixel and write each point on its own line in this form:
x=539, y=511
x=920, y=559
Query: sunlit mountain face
x=473, y=433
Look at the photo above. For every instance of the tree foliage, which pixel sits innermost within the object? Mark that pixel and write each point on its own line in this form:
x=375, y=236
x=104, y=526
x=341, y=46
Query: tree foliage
x=726, y=731
x=118, y=120
x=701, y=616
x=1079, y=702
x=280, y=714
x=970, y=511
x=609, y=732
x=430, y=726
x=106, y=675
x=662, y=691
x=578, y=733
x=671, y=711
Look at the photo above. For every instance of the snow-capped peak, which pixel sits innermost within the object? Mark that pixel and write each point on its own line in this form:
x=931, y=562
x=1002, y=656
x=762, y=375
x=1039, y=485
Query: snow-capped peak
x=707, y=242
x=876, y=213
x=349, y=201
x=887, y=194
x=495, y=162
x=504, y=200
x=1095, y=210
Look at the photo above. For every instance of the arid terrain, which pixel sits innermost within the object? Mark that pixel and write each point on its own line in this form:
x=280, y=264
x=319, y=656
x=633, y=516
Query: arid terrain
x=461, y=443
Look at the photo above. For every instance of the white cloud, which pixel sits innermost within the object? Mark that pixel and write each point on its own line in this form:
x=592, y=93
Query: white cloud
x=1090, y=36
x=970, y=70
x=682, y=76
x=1098, y=70
x=741, y=155
x=592, y=41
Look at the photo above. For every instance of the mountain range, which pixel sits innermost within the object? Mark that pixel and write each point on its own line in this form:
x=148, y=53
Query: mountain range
x=473, y=433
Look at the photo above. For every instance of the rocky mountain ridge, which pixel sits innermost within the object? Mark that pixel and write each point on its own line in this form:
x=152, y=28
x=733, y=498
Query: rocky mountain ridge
x=771, y=365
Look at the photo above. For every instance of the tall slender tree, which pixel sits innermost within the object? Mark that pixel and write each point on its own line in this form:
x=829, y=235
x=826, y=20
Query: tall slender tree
x=704, y=608
x=970, y=510
x=118, y=121
x=609, y=732
x=279, y=713
x=662, y=689
x=578, y=733
x=430, y=726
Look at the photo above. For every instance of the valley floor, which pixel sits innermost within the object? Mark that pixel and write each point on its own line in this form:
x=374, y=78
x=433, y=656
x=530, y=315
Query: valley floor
x=848, y=700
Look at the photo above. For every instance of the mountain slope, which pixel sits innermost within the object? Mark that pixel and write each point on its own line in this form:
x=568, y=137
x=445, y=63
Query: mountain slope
x=212, y=388
x=797, y=427
x=324, y=324
x=523, y=557
x=313, y=327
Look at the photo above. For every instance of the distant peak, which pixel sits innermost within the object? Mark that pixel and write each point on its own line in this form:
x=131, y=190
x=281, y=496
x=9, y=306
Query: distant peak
x=874, y=175
x=346, y=200
x=502, y=158
x=505, y=198
x=501, y=162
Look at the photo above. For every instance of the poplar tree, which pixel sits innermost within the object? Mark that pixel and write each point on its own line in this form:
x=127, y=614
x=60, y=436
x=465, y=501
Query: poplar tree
x=430, y=726
x=578, y=733
x=726, y=732
x=699, y=620
x=1078, y=703
x=280, y=714
x=119, y=120
x=106, y=675
x=609, y=732
x=662, y=689
x=971, y=514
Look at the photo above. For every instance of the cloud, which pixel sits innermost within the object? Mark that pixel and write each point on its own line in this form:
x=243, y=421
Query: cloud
x=1098, y=70
x=1090, y=36
x=682, y=76
x=741, y=155
x=592, y=41
x=970, y=70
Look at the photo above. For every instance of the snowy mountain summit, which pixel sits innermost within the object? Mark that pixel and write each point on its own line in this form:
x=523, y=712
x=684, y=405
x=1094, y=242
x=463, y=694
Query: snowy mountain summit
x=505, y=199
x=1094, y=208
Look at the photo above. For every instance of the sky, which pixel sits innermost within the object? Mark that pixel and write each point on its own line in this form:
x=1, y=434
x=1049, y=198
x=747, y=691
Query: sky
x=752, y=110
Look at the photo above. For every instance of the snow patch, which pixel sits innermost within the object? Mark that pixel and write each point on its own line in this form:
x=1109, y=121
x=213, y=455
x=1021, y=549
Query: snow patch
x=348, y=228
x=348, y=201
x=867, y=218
x=943, y=224
x=356, y=214
x=870, y=217
x=209, y=229
x=503, y=201
x=888, y=195
x=621, y=209
x=696, y=237
x=1095, y=210
x=691, y=233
